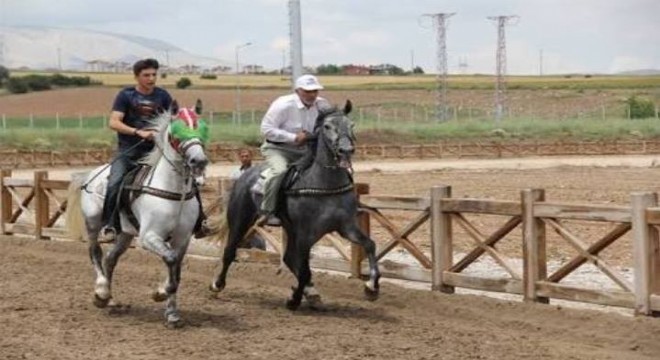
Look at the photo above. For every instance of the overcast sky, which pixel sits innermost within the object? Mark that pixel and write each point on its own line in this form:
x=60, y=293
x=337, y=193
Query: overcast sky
x=599, y=36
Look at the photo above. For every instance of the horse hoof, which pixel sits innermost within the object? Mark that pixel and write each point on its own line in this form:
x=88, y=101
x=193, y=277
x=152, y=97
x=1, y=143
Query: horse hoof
x=314, y=301
x=370, y=294
x=216, y=289
x=175, y=324
x=292, y=304
x=158, y=296
x=100, y=302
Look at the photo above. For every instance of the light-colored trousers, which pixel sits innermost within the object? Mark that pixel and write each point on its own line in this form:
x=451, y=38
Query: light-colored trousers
x=278, y=157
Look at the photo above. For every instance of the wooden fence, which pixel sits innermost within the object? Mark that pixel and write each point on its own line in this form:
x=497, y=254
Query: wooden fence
x=444, y=149
x=32, y=207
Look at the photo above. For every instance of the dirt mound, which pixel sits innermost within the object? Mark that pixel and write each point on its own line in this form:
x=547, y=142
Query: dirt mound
x=47, y=313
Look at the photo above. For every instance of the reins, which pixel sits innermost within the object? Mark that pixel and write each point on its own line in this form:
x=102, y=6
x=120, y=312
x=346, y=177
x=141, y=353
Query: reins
x=84, y=186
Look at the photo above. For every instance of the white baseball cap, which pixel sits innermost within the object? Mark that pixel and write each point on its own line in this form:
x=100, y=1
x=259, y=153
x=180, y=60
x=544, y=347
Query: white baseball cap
x=308, y=82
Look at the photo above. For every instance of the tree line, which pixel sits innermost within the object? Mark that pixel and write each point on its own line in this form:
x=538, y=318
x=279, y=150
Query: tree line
x=35, y=82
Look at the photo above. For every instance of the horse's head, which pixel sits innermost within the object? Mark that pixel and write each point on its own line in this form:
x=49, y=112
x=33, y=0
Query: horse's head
x=188, y=134
x=336, y=131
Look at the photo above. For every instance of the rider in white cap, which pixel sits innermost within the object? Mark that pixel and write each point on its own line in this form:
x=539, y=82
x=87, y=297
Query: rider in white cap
x=286, y=127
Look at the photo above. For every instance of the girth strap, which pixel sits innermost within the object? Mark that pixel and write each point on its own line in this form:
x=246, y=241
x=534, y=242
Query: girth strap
x=163, y=194
x=319, y=192
x=136, y=191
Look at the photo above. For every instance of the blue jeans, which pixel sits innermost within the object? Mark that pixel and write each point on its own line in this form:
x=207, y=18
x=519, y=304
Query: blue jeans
x=124, y=163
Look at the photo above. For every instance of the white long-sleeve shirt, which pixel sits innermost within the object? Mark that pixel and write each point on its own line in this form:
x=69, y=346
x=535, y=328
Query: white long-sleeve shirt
x=286, y=116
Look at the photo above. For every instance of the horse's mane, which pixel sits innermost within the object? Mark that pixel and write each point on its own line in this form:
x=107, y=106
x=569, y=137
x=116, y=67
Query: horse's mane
x=160, y=123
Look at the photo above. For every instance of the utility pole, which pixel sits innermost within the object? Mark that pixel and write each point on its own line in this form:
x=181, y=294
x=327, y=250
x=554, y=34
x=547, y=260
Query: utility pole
x=412, y=61
x=2, y=33
x=463, y=64
x=541, y=62
x=440, y=21
x=500, y=80
x=295, y=39
x=237, y=113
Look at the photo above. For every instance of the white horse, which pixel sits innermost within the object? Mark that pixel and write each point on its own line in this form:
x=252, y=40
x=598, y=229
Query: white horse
x=166, y=209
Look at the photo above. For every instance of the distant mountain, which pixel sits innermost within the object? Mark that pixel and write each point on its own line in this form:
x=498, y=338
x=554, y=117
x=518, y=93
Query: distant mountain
x=641, y=72
x=74, y=49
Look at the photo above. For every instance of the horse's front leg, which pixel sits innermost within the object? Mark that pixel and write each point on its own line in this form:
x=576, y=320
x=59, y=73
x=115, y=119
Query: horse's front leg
x=353, y=233
x=172, y=256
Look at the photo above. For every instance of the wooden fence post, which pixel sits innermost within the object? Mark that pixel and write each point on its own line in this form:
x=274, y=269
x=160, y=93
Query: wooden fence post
x=41, y=206
x=357, y=253
x=646, y=259
x=441, y=239
x=534, y=248
x=5, y=202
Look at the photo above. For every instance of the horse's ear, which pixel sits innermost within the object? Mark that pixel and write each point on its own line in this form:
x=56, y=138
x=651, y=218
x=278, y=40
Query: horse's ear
x=174, y=108
x=348, y=107
x=198, y=107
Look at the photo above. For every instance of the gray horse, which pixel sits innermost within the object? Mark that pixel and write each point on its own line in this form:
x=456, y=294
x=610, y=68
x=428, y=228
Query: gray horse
x=319, y=200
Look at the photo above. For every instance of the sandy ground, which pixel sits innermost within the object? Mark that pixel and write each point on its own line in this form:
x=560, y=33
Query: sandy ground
x=47, y=287
x=47, y=313
x=224, y=169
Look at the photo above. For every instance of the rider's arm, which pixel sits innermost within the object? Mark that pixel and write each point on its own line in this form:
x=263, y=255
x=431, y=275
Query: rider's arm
x=274, y=121
x=116, y=123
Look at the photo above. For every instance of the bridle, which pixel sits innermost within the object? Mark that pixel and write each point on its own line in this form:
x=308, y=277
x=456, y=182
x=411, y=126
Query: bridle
x=335, y=147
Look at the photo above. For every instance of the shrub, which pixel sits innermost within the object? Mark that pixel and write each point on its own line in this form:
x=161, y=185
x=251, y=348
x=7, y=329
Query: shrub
x=38, y=82
x=183, y=83
x=17, y=85
x=163, y=75
x=640, y=108
x=208, y=76
x=4, y=75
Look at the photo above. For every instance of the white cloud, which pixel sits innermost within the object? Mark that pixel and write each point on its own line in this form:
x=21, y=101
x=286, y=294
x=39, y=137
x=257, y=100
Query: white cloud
x=626, y=63
x=575, y=35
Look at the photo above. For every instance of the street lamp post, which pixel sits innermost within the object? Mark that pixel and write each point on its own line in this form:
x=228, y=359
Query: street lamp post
x=237, y=116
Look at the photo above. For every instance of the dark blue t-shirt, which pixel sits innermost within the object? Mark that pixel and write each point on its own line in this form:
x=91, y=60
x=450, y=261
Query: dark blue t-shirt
x=138, y=108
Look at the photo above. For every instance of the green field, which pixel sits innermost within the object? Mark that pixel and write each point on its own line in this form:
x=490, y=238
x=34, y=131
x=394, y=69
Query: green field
x=592, y=108
x=378, y=82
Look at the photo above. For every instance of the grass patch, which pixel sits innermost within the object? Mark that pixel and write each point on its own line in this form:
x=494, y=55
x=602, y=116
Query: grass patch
x=369, y=132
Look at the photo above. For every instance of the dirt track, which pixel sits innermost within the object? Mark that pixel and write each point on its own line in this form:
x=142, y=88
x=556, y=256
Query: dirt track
x=47, y=314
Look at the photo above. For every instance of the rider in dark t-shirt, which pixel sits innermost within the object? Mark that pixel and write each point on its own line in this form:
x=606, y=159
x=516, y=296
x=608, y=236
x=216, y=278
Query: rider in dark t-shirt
x=131, y=111
x=138, y=108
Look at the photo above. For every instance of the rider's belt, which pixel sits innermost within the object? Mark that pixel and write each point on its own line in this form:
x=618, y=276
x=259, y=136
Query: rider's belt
x=275, y=142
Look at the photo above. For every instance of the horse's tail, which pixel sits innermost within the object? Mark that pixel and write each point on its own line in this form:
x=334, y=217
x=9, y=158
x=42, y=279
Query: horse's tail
x=75, y=223
x=219, y=227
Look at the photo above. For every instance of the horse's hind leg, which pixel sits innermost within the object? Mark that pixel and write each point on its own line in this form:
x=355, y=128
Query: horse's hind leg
x=110, y=262
x=102, y=293
x=233, y=240
x=353, y=233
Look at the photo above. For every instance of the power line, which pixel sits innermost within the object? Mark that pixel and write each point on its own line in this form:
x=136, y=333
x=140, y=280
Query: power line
x=500, y=79
x=440, y=21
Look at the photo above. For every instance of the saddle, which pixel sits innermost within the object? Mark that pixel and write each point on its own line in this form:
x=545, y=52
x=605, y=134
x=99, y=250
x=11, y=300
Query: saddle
x=133, y=185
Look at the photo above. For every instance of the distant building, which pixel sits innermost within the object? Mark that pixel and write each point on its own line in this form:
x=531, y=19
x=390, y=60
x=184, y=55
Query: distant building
x=252, y=69
x=356, y=70
x=382, y=69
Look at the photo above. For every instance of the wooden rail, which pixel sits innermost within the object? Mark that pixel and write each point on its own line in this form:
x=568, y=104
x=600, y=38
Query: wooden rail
x=444, y=149
x=33, y=207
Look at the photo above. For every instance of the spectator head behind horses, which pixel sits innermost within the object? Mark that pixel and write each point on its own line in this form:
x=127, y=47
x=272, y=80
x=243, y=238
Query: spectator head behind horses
x=245, y=156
